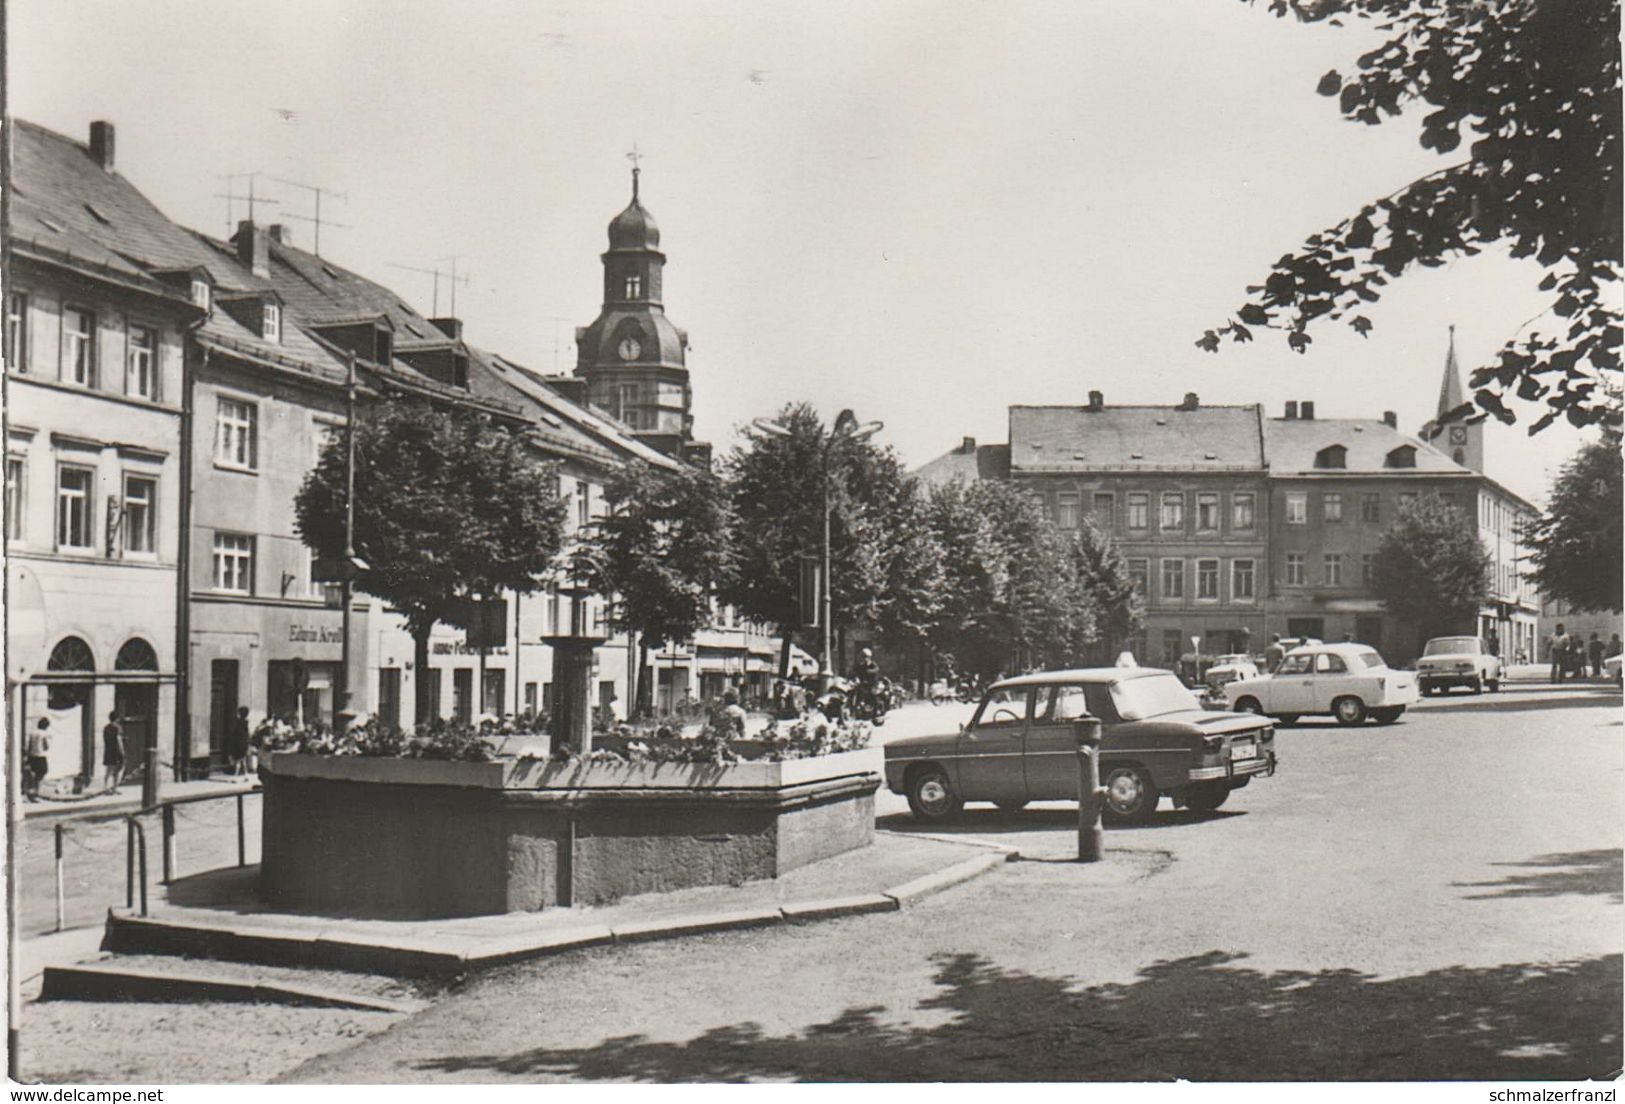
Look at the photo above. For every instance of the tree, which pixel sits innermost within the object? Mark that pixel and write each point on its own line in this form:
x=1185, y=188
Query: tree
x=659, y=555
x=1576, y=543
x=1429, y=568
x=1102, y=572
x=449, y=505
x=1535, y=88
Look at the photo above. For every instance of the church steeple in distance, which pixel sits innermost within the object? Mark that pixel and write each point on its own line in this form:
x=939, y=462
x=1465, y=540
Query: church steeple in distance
x=1458, y=435
x=633, y=359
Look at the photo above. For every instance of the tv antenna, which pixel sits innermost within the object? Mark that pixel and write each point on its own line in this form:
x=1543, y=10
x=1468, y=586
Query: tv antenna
x=230, y=196
x=439, y=274
x=318, y=192
x=555, y=319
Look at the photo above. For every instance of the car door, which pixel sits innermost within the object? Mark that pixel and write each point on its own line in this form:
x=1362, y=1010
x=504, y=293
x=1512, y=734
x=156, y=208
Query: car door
x=990, y=750
x=1332, y=679
x=1291, y=688
x=1051, y=758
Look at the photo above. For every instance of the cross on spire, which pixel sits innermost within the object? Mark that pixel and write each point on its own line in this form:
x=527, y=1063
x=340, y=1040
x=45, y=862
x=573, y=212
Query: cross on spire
x=635, y=157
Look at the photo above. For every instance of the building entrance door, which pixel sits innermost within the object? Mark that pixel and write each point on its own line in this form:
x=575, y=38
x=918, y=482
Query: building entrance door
x=1368, y=630
x=222, y=702
x=389, y=697
x=137, y=707
x=462, y=694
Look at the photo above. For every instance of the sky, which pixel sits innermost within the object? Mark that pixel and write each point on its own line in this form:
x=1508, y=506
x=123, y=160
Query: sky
x=925, y=212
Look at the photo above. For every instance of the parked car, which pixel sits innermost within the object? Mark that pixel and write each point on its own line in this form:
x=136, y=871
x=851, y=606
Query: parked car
x=1019, y=746
x=1348, y=681
x=1611, y=667
x=1229, y=668
x=1449, y=661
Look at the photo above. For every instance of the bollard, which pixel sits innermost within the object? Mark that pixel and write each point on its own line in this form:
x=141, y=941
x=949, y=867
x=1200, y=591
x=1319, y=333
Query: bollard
x=169, y=844
x=242, y=837
x=1091, y=836
x=149, y=782
x=136, y=838
x=60, y=910
x=129, y=865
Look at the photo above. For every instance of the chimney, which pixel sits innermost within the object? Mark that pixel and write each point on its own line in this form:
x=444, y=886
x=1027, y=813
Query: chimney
x=967, y=445
x=282, y=235
x=101, y=144
x=1390, y=419
x=1097, y=401
x=1191, y=401
x=451, y=327
x=1291, y=409
x=253, y=247
x=1306, y=410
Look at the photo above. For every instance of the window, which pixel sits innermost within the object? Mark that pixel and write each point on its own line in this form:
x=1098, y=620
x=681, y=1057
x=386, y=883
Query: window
x=1333, y=563
x=1105, y=510
x=17, y=331
x=73, y=502
x=1066, y=510
x=634, y=285
x=16, y=479
x=234, y=562
x=1299, y=664
x=1139, y=575
x=1402, y=457
x=1406, y=498
x=79, y=346
x=583, y=504
x=140, y=509
x=1294, y=569
x=141, y=363
x=1207, y=580
x=1370, y=507
x=1328, y=664
x=202, y=295
x=236, y=437
x=1331, y=507
x=1332, y=456
x=1241, y=581
x=1368, y=562
x=1297, y=508
x=1173, y=510
x=1243, y=515
x=1173, y=578
x=271, y=322
x=1139, y=510
x=1207, y=513
x=1173, y=643
x=626, y=400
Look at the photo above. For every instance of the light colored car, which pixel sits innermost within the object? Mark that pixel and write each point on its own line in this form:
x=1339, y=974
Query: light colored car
x=1020, y=746
x=1611, y=667
x=1449, y=661
x=1347, y=681
x=1229, y=668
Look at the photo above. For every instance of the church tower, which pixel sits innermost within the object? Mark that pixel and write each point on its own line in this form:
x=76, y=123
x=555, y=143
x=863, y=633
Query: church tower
x=632, y=358
x=1460, y=437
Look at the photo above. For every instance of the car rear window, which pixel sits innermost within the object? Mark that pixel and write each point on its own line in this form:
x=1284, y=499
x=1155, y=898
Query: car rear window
x=1451, y=645
x=1369, y=658
x=1152, y=696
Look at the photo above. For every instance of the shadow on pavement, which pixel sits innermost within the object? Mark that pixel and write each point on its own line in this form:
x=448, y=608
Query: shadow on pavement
x=1489, y=703
x=1587, y=873
x=987, y=822
x=1203, y=1018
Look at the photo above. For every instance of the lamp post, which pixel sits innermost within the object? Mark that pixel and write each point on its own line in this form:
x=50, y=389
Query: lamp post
x=846, y=430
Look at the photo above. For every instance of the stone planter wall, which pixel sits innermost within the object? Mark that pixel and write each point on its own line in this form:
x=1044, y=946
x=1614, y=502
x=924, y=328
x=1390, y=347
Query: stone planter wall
x=418, y=838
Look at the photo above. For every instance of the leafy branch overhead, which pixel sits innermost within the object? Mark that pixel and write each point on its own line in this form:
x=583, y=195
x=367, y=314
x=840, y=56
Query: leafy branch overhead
x=1532, y=90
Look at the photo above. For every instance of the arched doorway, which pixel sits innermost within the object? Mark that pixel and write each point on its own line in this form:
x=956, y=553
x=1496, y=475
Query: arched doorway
x=136, y=701
x=70, y=705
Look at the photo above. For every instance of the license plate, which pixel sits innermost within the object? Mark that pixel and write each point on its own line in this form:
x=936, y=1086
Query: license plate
x=1244, y=750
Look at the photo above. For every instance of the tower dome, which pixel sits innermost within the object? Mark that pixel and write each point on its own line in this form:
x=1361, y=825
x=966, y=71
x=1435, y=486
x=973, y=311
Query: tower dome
x=634, y=228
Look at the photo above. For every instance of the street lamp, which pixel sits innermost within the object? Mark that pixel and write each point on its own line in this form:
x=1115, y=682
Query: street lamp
x=846, y=430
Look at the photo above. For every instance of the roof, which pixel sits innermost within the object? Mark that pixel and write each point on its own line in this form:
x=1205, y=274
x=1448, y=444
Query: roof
x=557, y=409
x=1291, y=444
x=967, y=465
x=1078, y=675
x=1131, y=438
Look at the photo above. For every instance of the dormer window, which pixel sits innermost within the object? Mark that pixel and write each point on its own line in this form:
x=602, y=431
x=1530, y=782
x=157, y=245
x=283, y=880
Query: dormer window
x=271, y=322
x=1332, y=456
x=1402, y=457
x=202, y=294
x=459, y=371
x=383, y=346
x=634, y=285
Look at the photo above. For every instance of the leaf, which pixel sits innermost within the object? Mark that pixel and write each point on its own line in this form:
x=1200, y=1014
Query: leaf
x=1360, y=324
x=1331, y=84
x=1299, y=341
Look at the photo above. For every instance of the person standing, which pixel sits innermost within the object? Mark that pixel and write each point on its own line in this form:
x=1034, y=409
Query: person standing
x=1492, y=643
x=237, y=744
x=35, y=763
x=1594, y=653
x=1613, y=645
x=113, y=757
x=1274, y=654
x=1559, y=647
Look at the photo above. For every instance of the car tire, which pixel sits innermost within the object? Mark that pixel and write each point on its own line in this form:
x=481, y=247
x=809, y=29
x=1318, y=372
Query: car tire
x=1249, y=705
x=1206, y=797
x=1476, y=686
x=931, y=796
x=1131, y=795
x=1349, y=710
x=1389, y=715
x=1010, y=806
x=1495, y=686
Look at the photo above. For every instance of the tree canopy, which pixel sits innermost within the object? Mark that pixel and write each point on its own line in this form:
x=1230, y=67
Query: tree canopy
x=1576, y=543
x=1429, y=568
x=1102, y=573
x=1533, y=89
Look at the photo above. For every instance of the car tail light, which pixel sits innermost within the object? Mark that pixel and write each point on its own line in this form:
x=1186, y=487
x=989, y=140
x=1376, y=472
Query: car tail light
x=1382, y=684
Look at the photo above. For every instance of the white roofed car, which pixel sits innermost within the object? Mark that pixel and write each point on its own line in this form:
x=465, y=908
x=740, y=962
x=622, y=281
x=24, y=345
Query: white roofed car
x=1229, y=668
x=1449, y=661
x=1347, y=681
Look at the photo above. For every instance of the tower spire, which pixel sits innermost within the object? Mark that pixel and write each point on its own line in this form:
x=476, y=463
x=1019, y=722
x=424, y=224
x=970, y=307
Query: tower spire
x=635, y=157
x=1451, y=394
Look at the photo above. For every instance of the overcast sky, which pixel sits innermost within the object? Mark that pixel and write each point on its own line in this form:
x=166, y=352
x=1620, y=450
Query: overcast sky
x=925, y=211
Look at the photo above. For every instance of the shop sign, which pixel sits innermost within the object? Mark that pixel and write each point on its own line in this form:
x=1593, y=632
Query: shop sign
x=315, y=634
x=461, y=649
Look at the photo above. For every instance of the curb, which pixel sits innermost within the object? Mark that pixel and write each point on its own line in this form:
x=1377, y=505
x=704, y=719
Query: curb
x=831, y=908
x=105, y=982
x=1014, y=853
x=931, y=884
x=695, y=925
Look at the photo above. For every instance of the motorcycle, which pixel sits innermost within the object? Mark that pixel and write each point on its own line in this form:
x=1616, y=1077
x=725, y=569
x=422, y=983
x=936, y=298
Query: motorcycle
x=871, y=702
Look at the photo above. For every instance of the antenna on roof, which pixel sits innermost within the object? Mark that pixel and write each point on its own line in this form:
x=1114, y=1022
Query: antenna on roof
x=318, y=192
x=555, y=319
x=438, y=274
x=455, y=280
x=251, y=199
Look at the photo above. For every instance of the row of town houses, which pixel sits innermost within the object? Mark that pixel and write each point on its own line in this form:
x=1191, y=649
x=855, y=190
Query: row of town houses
x=166, y=394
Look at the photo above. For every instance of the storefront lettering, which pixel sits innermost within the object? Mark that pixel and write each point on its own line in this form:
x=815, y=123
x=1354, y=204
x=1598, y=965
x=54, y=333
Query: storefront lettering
x=315, y=634
x=461, y=649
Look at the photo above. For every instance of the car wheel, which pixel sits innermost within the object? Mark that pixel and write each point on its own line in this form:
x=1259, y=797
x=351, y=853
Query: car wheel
x=1010, y=806
x=1249, y=705
x=1349, y=711
x=931, y=796
x=1495, y=686
x=1131, y=795
x=1476, y=686
x=1205, y=797
x=1389, y=715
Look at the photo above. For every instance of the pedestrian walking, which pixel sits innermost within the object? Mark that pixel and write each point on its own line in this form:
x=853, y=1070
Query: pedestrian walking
x=35, y=763
x=113, y=757
x=237, y=744
x=1274, y=654
x=1613, y=645
x=1594, y=653
x=1557, y=649
x=1492, y=643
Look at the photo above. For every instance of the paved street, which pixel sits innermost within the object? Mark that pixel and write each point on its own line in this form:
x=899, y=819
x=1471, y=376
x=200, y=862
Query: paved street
x=1439, y=899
